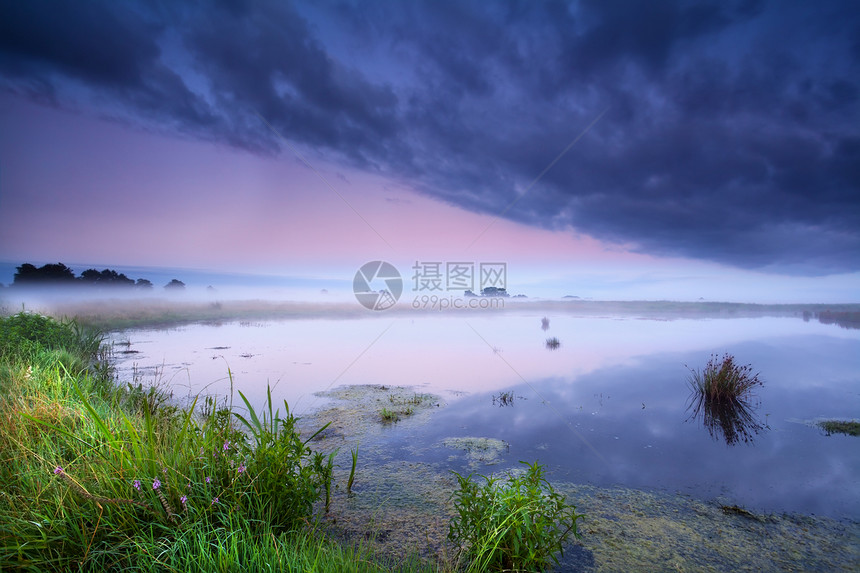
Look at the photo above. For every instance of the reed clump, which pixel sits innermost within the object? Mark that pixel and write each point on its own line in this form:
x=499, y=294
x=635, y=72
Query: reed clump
x=723, y=380
x=721, y=395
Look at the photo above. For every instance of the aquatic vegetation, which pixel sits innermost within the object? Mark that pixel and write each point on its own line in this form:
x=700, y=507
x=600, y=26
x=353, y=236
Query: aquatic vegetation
x=723, y=380
x=735, y=510
x=478, y=450
x=504, y=399
x=553, y=343
x=414, y=400
x=518, y=524
x=720, y=395
x=351, y=479
x=849, y=428
x=389, y=415
x=406, y=405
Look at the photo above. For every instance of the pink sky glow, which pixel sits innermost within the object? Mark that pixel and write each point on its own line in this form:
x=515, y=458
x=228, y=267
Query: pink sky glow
x=82, y=189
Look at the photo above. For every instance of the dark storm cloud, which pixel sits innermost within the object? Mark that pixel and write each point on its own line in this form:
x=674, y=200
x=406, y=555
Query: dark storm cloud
x=731, y=131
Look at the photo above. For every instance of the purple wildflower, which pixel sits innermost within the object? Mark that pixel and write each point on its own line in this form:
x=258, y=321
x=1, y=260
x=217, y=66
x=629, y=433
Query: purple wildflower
x=183, y=499
x=156, y=484
x=241, y=468
x=58, y=470
x=208, y=479
x=136, y=484
x=226, y=445
x=214, y=501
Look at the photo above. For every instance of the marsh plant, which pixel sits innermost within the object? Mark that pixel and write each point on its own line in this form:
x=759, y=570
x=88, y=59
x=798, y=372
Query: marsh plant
x=97, y=476
x=516, y=524
x=721, y=395
x=553, y=343
x=402, y=406
x=847, y=427
x=723, y=380
x=351, y=479
x=389, y=416
x=289, y=476
x=504, y=399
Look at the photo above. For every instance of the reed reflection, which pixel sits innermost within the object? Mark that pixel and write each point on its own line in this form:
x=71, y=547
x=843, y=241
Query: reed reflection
x=721, y=396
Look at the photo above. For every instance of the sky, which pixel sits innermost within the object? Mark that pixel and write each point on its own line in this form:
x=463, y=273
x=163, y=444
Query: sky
x=604, y=149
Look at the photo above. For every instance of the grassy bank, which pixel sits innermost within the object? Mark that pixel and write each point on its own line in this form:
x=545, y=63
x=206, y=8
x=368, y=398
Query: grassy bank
x=95, y=477
x=98, y=477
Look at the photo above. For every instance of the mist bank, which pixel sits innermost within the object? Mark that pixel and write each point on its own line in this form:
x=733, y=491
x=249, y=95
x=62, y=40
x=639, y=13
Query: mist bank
x=119, y=309
x=50, y=282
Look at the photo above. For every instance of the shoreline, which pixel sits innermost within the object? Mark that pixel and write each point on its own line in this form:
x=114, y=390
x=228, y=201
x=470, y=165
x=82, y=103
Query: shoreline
x=114, y=314
x=402, y=505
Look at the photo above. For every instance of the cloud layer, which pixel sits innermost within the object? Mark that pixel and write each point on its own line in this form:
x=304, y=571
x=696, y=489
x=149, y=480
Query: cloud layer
x=726, y=131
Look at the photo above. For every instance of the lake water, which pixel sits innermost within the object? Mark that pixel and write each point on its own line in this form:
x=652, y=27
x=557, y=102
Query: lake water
x=608, y=407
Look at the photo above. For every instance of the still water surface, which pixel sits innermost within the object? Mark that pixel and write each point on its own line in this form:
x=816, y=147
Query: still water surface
x=609, y=406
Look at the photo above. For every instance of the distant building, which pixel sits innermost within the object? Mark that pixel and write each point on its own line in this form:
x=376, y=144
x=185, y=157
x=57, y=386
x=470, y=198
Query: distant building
x=494, y=291
x=490, y=291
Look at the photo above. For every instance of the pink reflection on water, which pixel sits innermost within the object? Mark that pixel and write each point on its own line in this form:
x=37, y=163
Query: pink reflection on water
x=445, y=355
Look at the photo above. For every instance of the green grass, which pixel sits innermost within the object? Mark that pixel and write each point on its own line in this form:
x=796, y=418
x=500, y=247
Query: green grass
x=389, y=416
x=97, y=477
x=840, y=427
x=351, y=479
x=519, y=524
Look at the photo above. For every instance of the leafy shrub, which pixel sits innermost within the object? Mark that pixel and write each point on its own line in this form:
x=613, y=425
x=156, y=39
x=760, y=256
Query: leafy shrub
x=25, y=333
x=519, y=524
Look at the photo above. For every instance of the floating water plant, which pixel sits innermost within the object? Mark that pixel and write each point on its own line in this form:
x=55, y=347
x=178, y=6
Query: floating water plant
x=553, y=343
x=479, y=450
x=721, y=394
x=848, y=428
x=407, y=409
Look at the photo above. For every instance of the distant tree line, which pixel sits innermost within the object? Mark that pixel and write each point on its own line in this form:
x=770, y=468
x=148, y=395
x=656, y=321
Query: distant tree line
x=60, y=275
